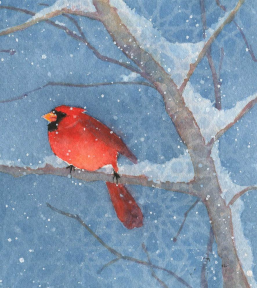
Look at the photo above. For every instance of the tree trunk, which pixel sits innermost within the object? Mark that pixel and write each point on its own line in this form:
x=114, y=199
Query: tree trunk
x=206, y=182
x=221, y=220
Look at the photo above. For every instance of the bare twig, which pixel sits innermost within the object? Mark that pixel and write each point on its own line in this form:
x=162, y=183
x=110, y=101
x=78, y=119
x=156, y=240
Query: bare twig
x=108, y=264
x=239, y=194
x=113, y=251
x=245, y=109
x=78, y=38
x=65, y=84
x=163, y=284
x=10, y=51
x=185, y=217
x=87, y=176
x=204, y=282
x=210, y=60
x=249, y=47
x=208, y=44
x=222, y=54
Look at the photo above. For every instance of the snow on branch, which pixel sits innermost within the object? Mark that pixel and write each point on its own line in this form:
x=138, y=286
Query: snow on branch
x=176, y=58
x=55, y=166
x=214, y=123
x=81, y=38
x=58, y=8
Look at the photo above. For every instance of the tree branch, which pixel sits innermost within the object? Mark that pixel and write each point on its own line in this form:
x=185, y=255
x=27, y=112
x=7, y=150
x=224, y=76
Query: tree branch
x=30, y=22
x=10, y=51
x=210, y=60
x=75, y=36
x=249, y=47
x=65, y=84
x=163, y=284
x=113, y=251
x=204, y=282
x=208, y=44
x=246, y=109
x=239, y=194
x=184, y=221
x=181, y=187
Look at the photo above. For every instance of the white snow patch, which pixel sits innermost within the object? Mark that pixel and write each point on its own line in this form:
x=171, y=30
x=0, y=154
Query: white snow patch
x=176, y=170
x=52, y=160
x=229, y=189
x=210, y=119
x=75, y=5
x=174, y=57
x=59, y=23
x=132, y=76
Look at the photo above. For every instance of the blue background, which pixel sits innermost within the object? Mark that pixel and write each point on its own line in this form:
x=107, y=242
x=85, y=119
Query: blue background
x=57, y=251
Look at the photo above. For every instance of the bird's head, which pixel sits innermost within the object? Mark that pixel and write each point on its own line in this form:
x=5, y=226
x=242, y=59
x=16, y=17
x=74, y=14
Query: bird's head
x=60, y=112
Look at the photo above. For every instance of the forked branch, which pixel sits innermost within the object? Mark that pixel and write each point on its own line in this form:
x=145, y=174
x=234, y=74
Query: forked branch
x=193, y=66
x=118, y=255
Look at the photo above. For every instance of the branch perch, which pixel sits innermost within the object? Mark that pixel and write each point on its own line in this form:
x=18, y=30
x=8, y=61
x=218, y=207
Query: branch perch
x=87, y=176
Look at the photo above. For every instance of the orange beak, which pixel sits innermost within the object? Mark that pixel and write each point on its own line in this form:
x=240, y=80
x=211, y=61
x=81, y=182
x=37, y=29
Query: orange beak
x=51, y=117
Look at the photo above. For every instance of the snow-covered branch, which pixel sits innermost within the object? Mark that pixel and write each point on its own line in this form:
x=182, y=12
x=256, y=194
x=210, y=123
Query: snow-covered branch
x=81, y=38
x=141, y=180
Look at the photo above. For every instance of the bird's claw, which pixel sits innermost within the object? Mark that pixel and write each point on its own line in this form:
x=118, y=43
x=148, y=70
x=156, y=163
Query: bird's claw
x=116, y=177
x=72, y=168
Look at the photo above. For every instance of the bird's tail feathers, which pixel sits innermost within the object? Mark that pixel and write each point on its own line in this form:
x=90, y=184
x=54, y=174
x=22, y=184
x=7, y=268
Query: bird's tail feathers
x=127, y=210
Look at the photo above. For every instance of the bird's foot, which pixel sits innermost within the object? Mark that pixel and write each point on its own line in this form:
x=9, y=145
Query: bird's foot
x=116, y=177
x=72, y=168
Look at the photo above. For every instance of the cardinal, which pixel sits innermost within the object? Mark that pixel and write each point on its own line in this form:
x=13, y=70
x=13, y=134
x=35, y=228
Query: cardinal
x=85, y=143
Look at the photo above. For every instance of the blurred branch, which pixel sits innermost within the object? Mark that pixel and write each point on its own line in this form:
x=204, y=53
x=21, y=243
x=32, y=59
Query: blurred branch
x=185, y=217
x=204, y=282
x=249, y=47
x=210, y=60
x=222, y=54
x=75, y=36
x=118, y=255
x=244, y=110
x=10, y=51
x=65, y=84
x=163, y=284
x=181, y=187
x=208, y=44
x=239, y=194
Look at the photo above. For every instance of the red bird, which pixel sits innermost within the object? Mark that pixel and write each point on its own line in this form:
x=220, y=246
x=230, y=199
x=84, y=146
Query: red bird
x=85, y=143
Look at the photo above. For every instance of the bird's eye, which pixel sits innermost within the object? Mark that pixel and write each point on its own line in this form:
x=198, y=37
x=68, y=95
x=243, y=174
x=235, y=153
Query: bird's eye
x=53, y=111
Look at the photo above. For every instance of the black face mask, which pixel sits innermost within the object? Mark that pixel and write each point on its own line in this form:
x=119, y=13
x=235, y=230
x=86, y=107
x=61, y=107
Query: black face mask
x=54, y=125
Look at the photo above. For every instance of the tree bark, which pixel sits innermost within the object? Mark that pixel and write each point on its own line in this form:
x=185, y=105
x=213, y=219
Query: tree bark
x=206, y=180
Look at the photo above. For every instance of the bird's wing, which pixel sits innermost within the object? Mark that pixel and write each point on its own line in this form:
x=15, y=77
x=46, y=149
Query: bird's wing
x=105, y=134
